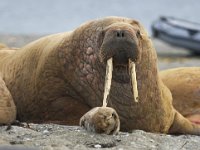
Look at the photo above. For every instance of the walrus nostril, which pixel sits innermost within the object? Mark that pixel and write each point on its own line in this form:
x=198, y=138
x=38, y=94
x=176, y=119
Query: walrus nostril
x=120, y=34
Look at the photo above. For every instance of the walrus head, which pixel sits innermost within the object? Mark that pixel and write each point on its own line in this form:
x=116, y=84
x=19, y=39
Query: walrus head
x=120, y=49
x=125, y=42
x=120, y=41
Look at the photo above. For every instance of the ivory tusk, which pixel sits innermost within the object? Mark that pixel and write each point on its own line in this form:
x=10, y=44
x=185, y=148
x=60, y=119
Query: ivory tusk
x=108, y=79
x=133, y=80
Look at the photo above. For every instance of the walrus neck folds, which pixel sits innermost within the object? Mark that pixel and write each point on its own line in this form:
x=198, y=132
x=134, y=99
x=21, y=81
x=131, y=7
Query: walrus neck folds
x=85, y=72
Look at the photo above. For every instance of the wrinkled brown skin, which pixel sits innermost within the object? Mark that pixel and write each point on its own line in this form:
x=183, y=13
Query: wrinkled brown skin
x=60, y=77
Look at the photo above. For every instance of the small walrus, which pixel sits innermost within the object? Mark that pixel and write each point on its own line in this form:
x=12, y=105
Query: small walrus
x=101, y=120
x=60, y=77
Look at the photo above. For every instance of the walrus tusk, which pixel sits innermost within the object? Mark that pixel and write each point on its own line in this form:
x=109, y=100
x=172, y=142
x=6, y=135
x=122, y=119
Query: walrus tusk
x=133, y=80
x=108, y=78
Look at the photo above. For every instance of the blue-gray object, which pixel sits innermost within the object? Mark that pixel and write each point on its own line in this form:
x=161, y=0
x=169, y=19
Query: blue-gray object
x=178, y=32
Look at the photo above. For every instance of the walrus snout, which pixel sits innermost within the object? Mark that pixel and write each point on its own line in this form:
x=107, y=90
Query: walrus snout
x=121, y=42
x=125, y=46
x=120, y=49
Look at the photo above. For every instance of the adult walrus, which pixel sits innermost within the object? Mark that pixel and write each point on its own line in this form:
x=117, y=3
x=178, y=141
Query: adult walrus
x=60, y=77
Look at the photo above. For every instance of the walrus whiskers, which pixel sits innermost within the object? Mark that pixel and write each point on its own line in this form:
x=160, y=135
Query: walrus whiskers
x=133, y=80
x=108, y=79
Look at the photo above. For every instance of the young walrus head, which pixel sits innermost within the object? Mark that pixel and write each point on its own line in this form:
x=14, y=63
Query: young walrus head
x=101, y=120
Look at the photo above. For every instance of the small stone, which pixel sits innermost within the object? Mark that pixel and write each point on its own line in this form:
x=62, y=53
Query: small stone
x=132, y=142
x=151, y=140
x=97, y=146
x=127, y=134
x=45, y=131
x=27, y=139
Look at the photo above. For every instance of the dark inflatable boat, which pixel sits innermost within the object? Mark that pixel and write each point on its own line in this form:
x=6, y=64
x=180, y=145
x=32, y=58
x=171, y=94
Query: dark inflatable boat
x=178, y=32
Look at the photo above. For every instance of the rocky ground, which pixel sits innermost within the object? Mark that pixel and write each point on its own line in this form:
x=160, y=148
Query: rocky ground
x=57, y=137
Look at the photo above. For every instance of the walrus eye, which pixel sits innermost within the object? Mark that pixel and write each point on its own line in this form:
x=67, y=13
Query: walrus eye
x=114, y=115
x=138, y=34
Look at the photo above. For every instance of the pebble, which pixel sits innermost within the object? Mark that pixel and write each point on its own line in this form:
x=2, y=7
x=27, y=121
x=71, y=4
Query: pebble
x=45, y=131
x=97, y=146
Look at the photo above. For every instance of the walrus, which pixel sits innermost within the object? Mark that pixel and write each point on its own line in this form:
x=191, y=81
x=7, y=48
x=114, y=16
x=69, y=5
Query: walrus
x=60, y=77
x=101, y=120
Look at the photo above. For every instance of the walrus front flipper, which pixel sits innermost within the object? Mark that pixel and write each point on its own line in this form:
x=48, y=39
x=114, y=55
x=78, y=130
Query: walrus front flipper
x=182, y=125
x=7, y=106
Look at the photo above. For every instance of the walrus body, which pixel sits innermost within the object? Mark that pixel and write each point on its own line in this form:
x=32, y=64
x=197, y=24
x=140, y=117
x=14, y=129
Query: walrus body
x=60, y=77
x=184, y=83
